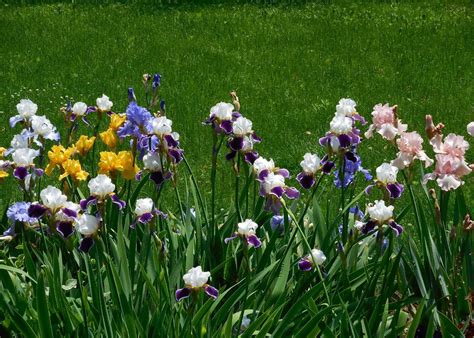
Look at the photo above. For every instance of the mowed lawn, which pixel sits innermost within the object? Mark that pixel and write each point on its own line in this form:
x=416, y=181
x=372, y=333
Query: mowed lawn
x=289, y=65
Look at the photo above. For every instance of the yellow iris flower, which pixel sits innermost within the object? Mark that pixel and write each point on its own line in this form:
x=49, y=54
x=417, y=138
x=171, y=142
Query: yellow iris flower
x=130, y=169
x=73, y=168
x=110, y=163
x=116, y=121
x=57, y=156
x=109, y=137
x=84, y=144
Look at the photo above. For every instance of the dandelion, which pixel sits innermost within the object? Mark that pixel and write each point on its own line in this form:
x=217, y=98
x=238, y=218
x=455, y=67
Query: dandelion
x=195, y=280
x=315, y=258
x=246, y=230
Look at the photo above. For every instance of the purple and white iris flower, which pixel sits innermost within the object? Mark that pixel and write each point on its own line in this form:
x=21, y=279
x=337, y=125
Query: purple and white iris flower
x=386, y=178
x=221, y=116
x=347, y=107
x=273, y=188
x=242, y=140
x=379, y=215
x=153, y=163
x=195, y=280
x=104, y=104
x=315, y=258
x=167, y=140
x=87, y=225
x=101, y=187
x=26, y=110
x=23, y=162
x=43, y=128
x=66, y=217
x=78, y=110
x=311, y=164
x=247, y=231
x=145, y=211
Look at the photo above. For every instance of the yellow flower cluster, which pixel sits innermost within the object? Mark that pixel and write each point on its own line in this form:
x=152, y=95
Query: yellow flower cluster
x=62, y=157
x=3, y=173
x=109, y=137
x=110, y=163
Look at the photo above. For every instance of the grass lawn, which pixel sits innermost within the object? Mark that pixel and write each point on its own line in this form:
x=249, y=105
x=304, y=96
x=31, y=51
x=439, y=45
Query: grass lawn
x=289, y=64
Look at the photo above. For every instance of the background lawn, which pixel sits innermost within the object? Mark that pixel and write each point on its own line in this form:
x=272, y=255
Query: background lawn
x=289, y=64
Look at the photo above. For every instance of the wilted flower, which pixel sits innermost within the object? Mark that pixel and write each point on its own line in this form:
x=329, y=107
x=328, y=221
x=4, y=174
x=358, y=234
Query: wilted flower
x=26, y=109
x=196, y=279
x=100, y=188
x=104, y=104
x=316, y=257
x=246, y=230
x=380, y=214
x=410, y=148
x=385, y=122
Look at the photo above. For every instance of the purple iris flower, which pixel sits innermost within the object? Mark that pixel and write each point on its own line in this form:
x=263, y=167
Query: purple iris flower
x=138, y=122
x=352, y=165
x=19, y=212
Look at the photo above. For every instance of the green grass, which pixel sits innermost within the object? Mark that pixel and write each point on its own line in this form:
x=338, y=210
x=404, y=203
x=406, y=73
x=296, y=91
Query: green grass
x=289, y=64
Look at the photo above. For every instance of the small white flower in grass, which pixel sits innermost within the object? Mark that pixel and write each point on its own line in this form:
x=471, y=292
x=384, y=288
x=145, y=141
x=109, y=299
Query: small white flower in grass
x=24, y=157
x=470, y=129
x=222, y=111
x=152, y=162
x=317, y=257
x=248, y=227
x=346, y=107
x=196, y=278
x=387, y=173
x=103, y=103
x=161, y=125
x=87, y=224
x=26, y=108
x=53, y=198
x=79, y=108
x=380, y=212
x=340, y=124
x=261, y=164
x=144, y=206
x=311, y=163
x=101, y=186
x=242, y=126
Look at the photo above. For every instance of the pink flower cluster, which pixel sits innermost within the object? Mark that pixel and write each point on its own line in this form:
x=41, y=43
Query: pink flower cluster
x=385, y=122
x=451, y=165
